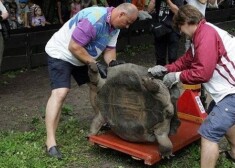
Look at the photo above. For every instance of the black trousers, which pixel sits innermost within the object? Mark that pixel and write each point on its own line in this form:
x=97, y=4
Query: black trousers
x=166, y=48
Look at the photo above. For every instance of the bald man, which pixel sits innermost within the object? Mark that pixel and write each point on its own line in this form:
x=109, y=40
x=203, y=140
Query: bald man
x=80, y=41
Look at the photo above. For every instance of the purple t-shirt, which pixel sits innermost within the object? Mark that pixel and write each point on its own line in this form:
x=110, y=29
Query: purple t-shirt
x=90, y=28
x=38, y=20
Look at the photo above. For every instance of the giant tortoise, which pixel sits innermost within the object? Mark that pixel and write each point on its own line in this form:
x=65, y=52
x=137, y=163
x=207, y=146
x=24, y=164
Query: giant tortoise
x=137, y=106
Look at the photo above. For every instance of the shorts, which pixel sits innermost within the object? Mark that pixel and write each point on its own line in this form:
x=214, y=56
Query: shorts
x=60, y=73
x=219, y=120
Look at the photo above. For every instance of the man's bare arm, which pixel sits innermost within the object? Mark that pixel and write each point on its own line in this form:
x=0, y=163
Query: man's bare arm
x=80, y=52
x=109, y=55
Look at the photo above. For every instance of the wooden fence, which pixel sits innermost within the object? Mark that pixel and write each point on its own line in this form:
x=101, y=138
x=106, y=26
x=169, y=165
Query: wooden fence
x=26, y=48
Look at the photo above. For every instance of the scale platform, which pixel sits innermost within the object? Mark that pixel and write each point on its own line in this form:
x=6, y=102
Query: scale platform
x=187, y=133
x=191, y=115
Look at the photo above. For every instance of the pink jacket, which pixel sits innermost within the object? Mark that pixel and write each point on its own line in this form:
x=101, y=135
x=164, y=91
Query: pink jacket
x=210, y=60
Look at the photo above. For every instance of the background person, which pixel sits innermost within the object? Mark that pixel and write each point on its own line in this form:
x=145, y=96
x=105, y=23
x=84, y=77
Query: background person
x=141, y=6
x=79, y=42
x=32, y=7
x=63, y=10
x=210, y=61
x=23, y=13
x=3, y=16
x=38, y=18
x=75, y=7
x=166, y=46
x=11, y=7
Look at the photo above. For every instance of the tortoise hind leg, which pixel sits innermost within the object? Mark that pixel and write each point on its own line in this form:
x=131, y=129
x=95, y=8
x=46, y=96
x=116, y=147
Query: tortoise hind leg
x=96, y=124
x=175, y=121
x=161, y=131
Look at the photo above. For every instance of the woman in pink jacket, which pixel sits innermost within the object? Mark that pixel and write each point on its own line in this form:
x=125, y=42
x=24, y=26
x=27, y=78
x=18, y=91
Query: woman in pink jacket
x=211, y=61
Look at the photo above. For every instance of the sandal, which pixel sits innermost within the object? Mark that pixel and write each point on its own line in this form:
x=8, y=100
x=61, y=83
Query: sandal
x=54, y=152
x=228, y=156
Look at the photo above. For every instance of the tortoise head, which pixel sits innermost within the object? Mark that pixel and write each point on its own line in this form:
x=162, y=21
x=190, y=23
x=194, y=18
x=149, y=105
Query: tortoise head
x=151, y=84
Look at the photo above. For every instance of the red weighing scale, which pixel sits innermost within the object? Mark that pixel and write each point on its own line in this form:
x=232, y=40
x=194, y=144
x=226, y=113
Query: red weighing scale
x=191, y=113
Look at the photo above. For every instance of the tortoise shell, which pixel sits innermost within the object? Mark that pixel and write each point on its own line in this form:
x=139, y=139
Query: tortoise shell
x=133, y=102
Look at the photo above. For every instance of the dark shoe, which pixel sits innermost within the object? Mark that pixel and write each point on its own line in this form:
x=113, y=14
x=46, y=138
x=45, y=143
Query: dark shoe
x=54, y=152
x=228, y=156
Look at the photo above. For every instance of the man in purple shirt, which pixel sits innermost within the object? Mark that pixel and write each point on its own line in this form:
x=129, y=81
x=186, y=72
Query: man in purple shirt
x=80, y=41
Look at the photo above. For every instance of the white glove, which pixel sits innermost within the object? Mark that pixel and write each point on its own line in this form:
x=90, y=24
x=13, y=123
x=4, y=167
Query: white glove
x=158, y=70
x=171, y=79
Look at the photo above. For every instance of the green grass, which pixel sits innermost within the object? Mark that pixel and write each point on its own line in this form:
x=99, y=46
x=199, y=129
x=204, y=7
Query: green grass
x=131, y=51
x=26, y=150
x=13, y=74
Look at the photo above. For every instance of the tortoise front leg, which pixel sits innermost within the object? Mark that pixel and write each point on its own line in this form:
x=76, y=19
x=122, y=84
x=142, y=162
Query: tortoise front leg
x=96, y=124
x=93, y=95
x=95, y=84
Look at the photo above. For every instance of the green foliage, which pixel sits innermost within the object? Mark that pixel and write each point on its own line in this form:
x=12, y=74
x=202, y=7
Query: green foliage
x=4, y=82
x=231, y=31
x=67, y=109
x=131, y=51
x=27, y=150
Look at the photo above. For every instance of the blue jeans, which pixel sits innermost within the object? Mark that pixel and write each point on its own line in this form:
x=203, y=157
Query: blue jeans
x=219, y=120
